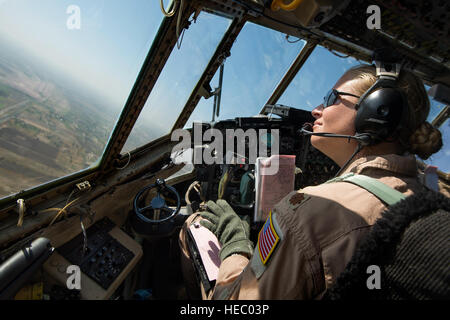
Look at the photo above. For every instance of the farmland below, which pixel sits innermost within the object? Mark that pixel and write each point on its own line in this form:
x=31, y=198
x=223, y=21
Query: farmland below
x=47, y=128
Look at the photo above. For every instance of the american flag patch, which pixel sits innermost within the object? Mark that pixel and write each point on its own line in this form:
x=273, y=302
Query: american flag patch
x=267, y=239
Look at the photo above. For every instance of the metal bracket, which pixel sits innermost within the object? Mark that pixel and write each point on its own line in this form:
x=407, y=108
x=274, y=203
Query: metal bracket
x=21, y=209
x=205, y=91
x=388, y=70
x=83, y=186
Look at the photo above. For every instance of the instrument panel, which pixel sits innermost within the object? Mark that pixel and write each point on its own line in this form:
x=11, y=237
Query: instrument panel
x=111, y=255
x=234, y=180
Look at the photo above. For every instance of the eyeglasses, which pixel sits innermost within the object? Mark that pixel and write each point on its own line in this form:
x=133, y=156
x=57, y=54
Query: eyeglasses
x=332, y=95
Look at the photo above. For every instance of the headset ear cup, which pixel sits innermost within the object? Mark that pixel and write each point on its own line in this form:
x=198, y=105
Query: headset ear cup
x=380, y=113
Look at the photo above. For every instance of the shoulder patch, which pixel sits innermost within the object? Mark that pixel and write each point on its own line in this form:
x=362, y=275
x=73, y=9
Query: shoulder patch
x=260, y=258
x=267, y=240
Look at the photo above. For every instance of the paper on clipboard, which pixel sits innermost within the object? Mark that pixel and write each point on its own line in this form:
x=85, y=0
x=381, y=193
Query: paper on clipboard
x=208, y=247
x=271, y=188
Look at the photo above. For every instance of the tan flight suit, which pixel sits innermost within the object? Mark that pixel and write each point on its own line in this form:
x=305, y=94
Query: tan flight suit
x=319, y=228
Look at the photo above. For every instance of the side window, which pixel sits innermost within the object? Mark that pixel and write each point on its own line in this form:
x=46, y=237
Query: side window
x=65, y=73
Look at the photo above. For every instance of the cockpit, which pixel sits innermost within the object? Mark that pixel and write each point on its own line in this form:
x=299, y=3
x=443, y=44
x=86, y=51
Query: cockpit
x=118, y=120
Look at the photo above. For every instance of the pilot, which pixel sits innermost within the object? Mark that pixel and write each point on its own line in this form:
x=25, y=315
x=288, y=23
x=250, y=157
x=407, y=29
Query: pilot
x=312, y=233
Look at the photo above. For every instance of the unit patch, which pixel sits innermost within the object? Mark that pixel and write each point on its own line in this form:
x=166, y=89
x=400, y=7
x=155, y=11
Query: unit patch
x=296, y=200
x=267, y=240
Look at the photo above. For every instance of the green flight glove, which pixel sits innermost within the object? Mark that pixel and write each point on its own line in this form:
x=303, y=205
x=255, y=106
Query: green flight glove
x=232, y=232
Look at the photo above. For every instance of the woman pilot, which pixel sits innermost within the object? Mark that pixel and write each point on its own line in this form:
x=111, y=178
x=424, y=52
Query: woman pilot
x=312, y=233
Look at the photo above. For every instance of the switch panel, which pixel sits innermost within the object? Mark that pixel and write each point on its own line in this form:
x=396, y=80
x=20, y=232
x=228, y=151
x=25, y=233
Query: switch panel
x=104, y=258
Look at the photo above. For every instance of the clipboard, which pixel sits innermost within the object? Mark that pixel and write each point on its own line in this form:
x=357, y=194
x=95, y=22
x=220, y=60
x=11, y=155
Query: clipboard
x=204, y=249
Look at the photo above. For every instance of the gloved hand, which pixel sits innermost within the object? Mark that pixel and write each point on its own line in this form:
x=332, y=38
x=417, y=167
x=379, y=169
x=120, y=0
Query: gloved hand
x=232, y=233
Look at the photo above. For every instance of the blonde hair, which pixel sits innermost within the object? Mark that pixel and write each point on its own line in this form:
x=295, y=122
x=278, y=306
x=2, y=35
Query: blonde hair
x=420, y=137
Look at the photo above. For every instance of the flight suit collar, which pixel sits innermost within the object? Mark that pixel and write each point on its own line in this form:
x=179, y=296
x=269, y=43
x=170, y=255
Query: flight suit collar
x=398, y=164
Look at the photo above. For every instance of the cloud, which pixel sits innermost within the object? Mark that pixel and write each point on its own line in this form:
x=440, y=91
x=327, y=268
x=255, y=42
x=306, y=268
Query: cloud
x=267, y=61
x=280, y=38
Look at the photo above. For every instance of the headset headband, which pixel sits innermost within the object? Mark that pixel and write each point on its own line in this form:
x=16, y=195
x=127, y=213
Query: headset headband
x=387, y=75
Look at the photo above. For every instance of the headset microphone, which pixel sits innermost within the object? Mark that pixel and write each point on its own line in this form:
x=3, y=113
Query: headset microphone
x=363, y=138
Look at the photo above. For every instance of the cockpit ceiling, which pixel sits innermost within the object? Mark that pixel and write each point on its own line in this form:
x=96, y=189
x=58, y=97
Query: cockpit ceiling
x=419, y=30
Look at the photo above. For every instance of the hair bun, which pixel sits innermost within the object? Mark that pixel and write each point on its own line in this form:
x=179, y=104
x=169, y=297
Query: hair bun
x=425, y=141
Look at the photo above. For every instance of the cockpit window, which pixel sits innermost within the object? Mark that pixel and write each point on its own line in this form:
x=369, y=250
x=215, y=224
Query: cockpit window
x=66, y=69
x=440, y=159
x=318, y=75
x=259, y=59
x=177, y=79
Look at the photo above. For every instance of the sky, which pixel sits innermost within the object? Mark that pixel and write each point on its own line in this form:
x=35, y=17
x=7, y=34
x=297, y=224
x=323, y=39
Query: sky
x=106, y=53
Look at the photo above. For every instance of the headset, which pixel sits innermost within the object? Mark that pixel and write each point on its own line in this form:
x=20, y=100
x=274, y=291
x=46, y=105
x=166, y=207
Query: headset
x=382, y=110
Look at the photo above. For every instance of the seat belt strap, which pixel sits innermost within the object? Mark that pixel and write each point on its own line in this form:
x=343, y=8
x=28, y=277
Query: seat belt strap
x=383, y=192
